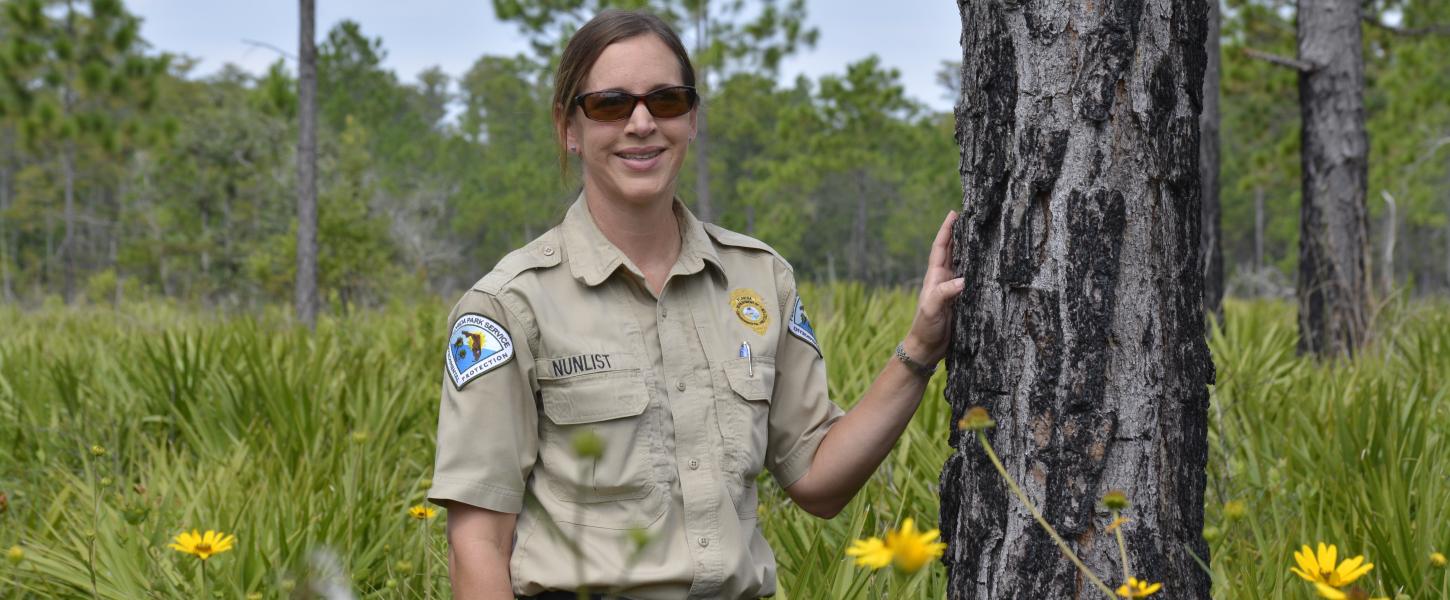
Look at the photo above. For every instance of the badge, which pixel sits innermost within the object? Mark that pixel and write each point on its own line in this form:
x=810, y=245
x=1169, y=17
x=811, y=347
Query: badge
x=800, y=326
x=476, y=346
x=750, y=308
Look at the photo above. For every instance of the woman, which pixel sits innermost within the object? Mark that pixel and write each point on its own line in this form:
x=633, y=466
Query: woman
x=614, y=387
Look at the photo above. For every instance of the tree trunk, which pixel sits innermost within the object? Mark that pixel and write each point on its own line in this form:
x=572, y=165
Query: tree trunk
x=67, y=241
x=1387, y=259
x=1082, y=329
x=7, y=290
x=1211, y=247
x=1258, y=229
x=1333, y=281
x=306, y=287
x=703, y=210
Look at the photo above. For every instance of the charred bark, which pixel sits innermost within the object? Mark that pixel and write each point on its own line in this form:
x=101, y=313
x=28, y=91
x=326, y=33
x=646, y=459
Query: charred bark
x=1211, y=246
x=1082, y=330
x=1333, y=284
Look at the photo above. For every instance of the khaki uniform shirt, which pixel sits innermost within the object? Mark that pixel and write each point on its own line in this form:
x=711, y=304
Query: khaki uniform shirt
x=692, y=394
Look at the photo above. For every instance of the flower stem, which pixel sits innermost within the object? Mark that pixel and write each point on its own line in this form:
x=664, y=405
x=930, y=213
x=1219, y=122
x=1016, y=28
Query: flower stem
x=95, y=527
x=1122, y=549
x=205, y=589
x=1011, y=483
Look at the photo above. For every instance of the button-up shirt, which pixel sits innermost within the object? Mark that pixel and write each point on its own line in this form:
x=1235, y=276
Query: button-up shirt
x=626, y=428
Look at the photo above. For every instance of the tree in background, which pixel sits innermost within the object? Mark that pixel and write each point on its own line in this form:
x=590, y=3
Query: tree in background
x=1210, y=246
x=1083, y=331
x=77, y=83
x=305, y=299
x=1333, y=285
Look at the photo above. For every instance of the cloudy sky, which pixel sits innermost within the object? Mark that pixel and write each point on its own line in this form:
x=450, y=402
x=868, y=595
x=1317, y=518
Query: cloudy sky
x=914, y=36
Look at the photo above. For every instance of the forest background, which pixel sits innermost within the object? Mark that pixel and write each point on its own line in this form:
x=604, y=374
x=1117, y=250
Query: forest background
x=124, y=176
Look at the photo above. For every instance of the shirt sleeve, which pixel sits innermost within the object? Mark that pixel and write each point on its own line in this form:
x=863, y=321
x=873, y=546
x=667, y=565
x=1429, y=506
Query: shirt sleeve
x=801, y=411
x=488, y=418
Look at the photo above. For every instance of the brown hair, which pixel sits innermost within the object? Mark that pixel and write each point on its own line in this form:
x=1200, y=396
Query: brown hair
x=583, y=50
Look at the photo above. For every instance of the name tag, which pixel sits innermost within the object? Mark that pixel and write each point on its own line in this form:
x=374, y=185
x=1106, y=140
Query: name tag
x=582, y=364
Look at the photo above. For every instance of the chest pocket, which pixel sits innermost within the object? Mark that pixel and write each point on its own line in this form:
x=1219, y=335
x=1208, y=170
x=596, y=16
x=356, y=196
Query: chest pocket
x=612, y=481
x=743, y=411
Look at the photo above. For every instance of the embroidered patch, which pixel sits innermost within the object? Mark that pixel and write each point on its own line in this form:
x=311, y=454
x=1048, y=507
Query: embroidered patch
x=750, y=308
x=800, y=326
x=477, y=345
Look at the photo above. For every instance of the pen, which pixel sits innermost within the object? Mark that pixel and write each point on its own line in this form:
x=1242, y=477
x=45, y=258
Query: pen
x=745, y=353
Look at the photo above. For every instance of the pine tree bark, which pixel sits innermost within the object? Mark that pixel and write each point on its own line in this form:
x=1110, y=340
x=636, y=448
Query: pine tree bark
x=1333, y=284
x=1211, y=246
x=306, y=285
x=1082, y=329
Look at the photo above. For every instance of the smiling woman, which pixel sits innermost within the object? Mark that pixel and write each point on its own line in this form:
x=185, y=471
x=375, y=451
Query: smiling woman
x=646, y=368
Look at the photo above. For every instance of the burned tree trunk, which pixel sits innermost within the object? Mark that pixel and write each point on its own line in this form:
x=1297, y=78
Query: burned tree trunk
x=1333, y=282
x=1082, y=328
x=1211, y=246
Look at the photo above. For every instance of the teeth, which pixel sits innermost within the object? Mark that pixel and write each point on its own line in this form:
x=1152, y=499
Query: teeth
x=646, y=156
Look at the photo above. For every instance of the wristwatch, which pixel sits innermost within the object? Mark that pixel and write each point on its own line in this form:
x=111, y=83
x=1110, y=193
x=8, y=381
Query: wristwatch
x=916, y=367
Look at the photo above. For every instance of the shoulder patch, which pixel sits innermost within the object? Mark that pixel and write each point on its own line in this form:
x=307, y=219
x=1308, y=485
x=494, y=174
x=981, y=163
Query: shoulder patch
x=476, y=345
x=799, y=325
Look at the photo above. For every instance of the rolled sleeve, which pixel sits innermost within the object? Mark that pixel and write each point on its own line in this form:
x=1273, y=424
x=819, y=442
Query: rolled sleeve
x=488, y=427
x=801, y=411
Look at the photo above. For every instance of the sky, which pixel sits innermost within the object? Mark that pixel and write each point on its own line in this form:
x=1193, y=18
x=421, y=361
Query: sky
x=914, y=36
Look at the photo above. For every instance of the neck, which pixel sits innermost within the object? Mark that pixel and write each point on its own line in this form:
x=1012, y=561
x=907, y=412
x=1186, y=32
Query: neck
x=648, y=234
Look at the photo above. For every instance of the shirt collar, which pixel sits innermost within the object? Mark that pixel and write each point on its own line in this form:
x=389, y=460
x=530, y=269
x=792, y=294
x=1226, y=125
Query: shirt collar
x=592, y=258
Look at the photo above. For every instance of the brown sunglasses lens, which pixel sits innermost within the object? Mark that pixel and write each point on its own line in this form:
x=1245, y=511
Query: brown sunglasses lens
x=615, y=106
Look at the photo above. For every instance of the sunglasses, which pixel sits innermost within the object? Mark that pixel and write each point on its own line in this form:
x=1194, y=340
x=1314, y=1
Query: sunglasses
x=663, y=103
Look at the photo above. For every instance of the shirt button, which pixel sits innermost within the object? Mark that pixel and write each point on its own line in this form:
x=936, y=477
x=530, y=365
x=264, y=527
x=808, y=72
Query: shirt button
x=704, y=542
x=664, y=312
x=694, y=464
x=548, y=250
x=680, y=385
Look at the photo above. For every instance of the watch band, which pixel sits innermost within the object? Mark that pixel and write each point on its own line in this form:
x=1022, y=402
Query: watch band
x=916, y=367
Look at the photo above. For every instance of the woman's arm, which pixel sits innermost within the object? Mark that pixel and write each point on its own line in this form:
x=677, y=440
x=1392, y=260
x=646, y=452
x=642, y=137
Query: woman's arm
x=861, y=439
x=480, y=542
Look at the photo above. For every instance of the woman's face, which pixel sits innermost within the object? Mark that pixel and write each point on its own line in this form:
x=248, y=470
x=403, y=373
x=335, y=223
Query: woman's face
x=634, y=160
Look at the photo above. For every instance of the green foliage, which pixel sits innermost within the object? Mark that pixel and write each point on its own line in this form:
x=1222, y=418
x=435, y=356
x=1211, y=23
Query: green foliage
x=297, y=442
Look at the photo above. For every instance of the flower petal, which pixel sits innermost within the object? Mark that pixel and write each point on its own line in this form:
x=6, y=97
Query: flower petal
x=1327, y=558
x=1326, y=591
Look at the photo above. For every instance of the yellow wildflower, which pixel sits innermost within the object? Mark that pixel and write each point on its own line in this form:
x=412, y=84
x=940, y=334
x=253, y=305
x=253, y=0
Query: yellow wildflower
x=1234, y=510
x=1136, y=588
x=1437, y=560
x=870, y=552
x=1322, y=567
x=906, y=547
x=976, y=419
x=1115, y=500
x=421, y=512
x=203, y=546
x=15, y=555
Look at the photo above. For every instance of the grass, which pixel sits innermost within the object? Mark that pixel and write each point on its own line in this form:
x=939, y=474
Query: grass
x=311, y=449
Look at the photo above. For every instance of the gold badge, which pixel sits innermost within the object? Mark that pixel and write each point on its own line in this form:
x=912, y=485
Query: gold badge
x=750, y=307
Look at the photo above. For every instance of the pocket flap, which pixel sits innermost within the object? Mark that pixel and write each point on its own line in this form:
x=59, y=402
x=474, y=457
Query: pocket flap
x=751, y=385
x=594, y=397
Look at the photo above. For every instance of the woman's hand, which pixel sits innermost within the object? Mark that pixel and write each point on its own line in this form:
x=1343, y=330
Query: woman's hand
x=927, y=340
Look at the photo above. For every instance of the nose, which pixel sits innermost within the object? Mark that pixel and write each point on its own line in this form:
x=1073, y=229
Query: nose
x=641, y=121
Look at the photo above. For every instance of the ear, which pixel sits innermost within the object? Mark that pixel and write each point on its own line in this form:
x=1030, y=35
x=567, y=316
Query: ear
x=571, y=138
x=694, y=122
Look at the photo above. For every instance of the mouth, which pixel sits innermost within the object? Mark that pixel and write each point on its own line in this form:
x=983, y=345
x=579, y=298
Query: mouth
x=640, y=159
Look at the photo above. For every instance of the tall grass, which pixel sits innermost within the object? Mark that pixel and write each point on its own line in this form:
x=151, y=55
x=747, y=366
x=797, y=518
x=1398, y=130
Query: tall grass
x=300, y=443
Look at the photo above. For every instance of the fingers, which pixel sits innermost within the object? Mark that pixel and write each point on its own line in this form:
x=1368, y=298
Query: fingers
x=942, y=293
x=941, y=246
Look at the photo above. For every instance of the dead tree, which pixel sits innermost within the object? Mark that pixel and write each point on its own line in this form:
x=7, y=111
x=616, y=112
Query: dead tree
x=1082, y=328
